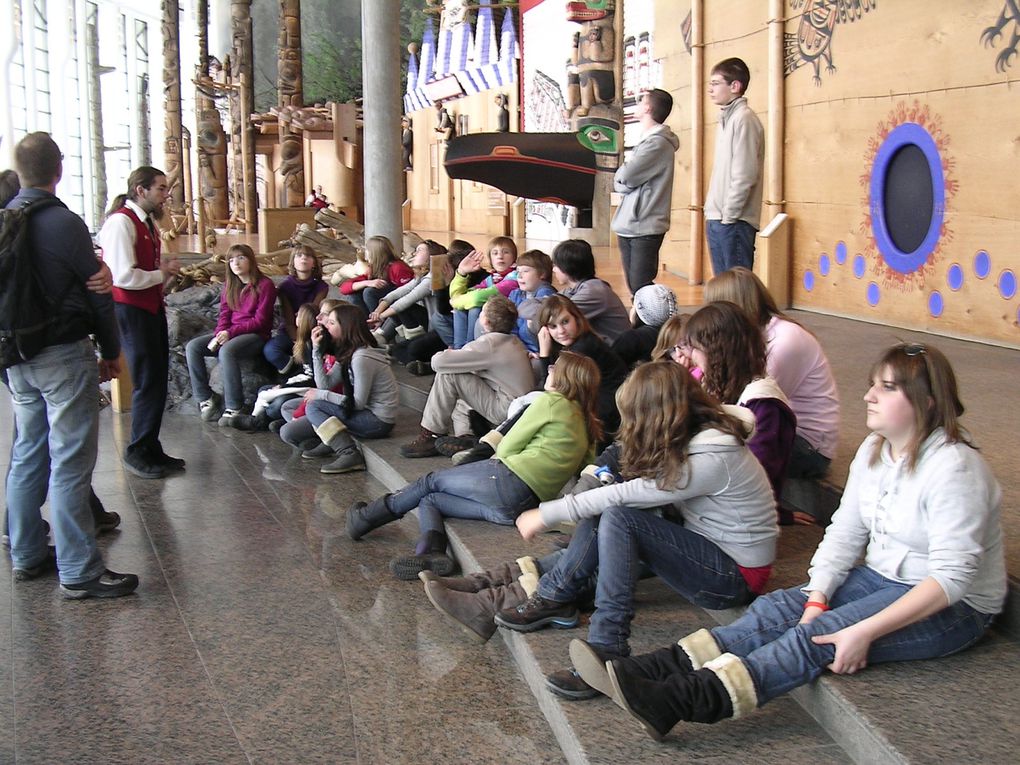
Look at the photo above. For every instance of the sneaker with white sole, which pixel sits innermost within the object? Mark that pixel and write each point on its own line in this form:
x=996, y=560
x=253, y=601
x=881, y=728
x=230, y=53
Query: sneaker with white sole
x=109, y=584
x=226, y=419
x=209, y=409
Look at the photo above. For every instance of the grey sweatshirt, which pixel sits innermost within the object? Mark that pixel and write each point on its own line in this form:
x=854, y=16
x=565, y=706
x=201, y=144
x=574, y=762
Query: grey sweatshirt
x=646, y=183
x=375, y=387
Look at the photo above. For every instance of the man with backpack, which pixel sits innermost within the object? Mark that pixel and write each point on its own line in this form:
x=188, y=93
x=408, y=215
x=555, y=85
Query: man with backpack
x=54, y=387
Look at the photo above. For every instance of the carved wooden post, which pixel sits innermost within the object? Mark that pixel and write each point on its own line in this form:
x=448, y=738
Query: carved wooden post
x=240, y=74
x=210, y=138
x=94, y=70
x=290, y=95
x=172, y=144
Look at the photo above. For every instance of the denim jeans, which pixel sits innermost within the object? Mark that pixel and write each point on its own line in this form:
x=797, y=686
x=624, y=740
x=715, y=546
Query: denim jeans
x=572, y=578
x=247, y=346
x=360, y=422
x=484, y=491
x=369, y=298
x=730, y=244
x=780, y=656
x=278, y=350
x=689, y=563
x=56, y=410
x=806, y=461
x=442, y=325
x=464, y=326
x=640, y=258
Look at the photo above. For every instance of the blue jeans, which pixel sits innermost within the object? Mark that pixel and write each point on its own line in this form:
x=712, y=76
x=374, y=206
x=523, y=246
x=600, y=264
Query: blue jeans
x=56, y=410
x=229, y=354
x=360, y=422
x=278, y=350
x=369, y=298
x=573, y=575
x=640, y=258
x=442, y=325
x=483, y=491
x=780, y=656
x=464, y=326
x=689, y=563
x=730, y=244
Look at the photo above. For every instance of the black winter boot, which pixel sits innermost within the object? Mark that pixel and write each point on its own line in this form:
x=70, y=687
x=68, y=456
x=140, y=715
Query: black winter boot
x=362, y=517
x=473, y=611
x=430, y=555
x=504, y=573
x=720, y=690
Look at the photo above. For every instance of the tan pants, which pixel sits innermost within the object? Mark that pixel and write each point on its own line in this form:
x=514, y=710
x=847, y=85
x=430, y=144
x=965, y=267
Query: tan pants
x=454, y=395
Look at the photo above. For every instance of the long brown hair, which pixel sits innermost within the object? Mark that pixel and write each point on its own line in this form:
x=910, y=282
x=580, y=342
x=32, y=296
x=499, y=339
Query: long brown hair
x=661, y=409
x=305, y=321
x=578, y=378
x=379, y=253
x=735, y=348
x=354, y=332
x=304, y=249
x=927, y=379
x=671, y=334
x=740, y=285
x=236, y=287
x=553, y=306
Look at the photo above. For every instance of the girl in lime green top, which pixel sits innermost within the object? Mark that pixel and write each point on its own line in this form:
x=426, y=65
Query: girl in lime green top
x=550, y=442
x=468, y=293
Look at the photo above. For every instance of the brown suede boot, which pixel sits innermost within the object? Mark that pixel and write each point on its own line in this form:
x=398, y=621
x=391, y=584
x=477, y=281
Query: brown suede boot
x=504, y=573
x=473, y=611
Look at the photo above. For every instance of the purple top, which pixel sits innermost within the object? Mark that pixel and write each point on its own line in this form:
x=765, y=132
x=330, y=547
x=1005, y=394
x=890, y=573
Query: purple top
x=296, y=292
x=254, y=312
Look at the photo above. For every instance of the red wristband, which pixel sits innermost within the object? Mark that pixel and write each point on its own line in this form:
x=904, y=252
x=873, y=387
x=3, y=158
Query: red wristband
x=815, y=604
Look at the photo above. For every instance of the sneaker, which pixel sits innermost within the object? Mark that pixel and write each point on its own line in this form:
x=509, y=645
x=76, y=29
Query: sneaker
x=537, y=612
x=477, y=453
x=43, y=567
x=137, y=465
x=423, y=446
x=276, y=426
x=168, y=463
x=106, y=520
x=319, y=451
x=228, y=417
x=109, y=584
x=209, y=409
x=450, y=445
x=347, y=461
x=568, y=684
x=250, y=423
x=420, y=368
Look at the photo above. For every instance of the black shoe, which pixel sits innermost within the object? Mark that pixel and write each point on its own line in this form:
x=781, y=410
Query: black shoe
x=143, y=468
x=45, y=566
x=448, y=446
x=109, y=584
x=409, y=567
x=250, y=423
x=568, y=684
x=168, y=463
x=420, y=368
x=276, y=426
x=477, y=453
x=105, y=520
x=537, y=612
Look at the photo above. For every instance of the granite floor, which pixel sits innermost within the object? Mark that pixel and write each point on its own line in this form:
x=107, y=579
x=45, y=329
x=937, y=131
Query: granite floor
x=259, y=632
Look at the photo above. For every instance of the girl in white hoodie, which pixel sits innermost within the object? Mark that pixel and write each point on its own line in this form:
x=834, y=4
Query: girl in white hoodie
x=921, y=507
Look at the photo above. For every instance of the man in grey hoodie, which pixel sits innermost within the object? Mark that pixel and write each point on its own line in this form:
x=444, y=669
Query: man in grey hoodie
x=646, y=182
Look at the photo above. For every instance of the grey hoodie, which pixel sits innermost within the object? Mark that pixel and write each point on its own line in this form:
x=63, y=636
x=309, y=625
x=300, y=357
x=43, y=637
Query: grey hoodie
x=722, y=494
x=375, y=386
x=646, y=182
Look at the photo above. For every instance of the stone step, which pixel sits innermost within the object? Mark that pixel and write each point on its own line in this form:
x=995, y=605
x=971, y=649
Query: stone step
x=912, y=712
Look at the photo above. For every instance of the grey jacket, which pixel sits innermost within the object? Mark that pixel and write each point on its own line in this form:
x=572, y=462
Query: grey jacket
x=735, y=191
x=375, y=386
x=722, y=494
x=646, y=182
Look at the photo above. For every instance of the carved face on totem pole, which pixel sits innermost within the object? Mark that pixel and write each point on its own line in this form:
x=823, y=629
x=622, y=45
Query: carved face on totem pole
x=591, y=80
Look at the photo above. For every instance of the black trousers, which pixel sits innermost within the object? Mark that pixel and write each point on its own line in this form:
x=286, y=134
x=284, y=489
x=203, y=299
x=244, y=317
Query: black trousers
x=640, y=256
x=144, y=338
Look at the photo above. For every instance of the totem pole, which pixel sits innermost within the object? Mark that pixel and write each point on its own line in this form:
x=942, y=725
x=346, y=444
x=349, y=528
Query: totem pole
x=173, y=129
x=96, y=116
x=210, y=137
x=239, y=74
x=291, y=98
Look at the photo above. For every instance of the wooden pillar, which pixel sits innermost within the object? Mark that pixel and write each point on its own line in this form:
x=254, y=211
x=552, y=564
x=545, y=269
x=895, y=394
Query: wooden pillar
x=775, y=201
x=173, y=127
x=695, y=274
x=241, y=73
x=291, y=94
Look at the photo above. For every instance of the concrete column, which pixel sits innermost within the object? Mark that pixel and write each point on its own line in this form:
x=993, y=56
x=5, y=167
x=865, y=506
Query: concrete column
x=381, y=60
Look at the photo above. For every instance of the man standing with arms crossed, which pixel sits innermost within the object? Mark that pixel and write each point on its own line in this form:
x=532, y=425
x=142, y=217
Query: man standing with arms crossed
x=54, y=395
x=131, y=247
x=646, y=183
x=733, y=204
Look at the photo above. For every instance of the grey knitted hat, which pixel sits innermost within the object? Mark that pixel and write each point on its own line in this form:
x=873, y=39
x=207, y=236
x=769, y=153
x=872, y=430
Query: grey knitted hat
x=654, y=304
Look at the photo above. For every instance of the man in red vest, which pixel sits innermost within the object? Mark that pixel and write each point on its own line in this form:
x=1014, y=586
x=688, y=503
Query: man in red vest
x=131, y=248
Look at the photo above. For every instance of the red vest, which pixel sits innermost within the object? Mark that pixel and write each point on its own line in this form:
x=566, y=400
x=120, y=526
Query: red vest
x=147, y=252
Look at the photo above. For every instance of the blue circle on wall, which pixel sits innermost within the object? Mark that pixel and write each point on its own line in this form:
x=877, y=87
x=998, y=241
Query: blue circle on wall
x=935, y=304
x=982, y=264
x=841, y=252
x=859, y=264
x=824, y=265
x=1007, y=284
x=809, y=280
x=954, y=277
x=873, y=294
x=905, y=136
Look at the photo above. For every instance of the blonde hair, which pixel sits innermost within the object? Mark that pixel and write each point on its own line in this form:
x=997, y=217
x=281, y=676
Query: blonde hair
x=236, y=287
x=501, y=241
x=379, y=253
x=926, y=378
x=305, y=321
x=661, y=409
x=671, y=334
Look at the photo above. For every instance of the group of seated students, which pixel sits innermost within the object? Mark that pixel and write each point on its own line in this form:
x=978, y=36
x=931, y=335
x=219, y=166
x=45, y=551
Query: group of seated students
x=662, y=444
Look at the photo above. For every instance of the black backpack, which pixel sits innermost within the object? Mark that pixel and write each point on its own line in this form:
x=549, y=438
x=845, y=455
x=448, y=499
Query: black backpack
x=27, y=312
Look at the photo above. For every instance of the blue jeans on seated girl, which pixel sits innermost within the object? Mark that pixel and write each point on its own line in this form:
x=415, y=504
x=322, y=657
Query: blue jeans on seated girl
x=689, y=563
x=483, y=491
x=369, y=298
x=247, y=346
x=780, y=656
x=464, y=323
x=360, y=422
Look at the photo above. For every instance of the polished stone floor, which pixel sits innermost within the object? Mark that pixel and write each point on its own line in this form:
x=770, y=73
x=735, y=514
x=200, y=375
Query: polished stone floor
x=259, y=632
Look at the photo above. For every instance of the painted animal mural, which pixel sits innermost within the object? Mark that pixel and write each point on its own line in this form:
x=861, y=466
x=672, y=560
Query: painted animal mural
x=812, y=42
x=1010, y=15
